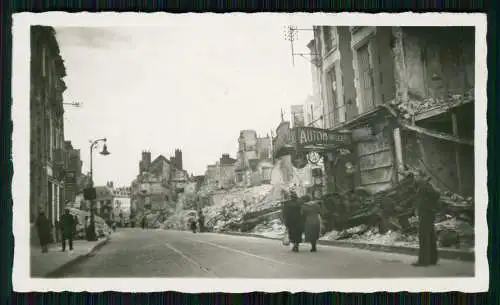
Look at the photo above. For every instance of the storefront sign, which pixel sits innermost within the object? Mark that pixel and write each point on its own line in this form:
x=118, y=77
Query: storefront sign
x=312, y=136
x=303, y=136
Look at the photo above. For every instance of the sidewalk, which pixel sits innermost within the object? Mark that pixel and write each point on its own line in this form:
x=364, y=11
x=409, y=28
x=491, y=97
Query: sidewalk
x=443, y=253
x=43, y=264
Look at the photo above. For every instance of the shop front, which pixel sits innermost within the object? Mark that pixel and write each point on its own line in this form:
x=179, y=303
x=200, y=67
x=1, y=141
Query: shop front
x=360, y=153
x=310, y=145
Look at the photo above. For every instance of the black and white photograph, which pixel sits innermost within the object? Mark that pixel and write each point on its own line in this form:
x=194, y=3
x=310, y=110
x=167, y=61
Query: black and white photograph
x=243, y=152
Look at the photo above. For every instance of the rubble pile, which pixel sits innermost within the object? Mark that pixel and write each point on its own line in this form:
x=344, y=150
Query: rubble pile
x=228, y=213
x=416, y=105
x=101, y=227
x=389, y=217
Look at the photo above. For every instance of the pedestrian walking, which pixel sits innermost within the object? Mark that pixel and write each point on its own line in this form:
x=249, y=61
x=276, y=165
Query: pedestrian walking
x=43, y=230
x=293, y=220
x=67, y=229
x=426, y=203
x=58, y=230
x=75, y=227
x=193, y=225
x=143, y=222
x=201, y=221
x=312, y=226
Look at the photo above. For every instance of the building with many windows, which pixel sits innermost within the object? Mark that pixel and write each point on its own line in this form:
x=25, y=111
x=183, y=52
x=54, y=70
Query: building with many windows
x=48, y=158
x=391, y=97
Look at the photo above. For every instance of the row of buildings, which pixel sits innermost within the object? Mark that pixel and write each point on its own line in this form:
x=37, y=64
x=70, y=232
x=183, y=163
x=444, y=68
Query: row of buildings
x=252, y=166
x=56, y=177
x=55, y=165
x=384, y=98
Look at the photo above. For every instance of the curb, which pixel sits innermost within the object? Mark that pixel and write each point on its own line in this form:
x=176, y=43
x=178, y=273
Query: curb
x=443, y=253
x=77, y=259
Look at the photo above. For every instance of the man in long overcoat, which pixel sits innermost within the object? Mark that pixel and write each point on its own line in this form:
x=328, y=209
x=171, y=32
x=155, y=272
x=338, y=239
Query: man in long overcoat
x=427, y=204
x=293, y=220
x=67, y=224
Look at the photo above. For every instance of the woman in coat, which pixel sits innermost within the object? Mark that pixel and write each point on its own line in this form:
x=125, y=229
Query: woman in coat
x=43, y=228
x=293, y=220
x=311, y=212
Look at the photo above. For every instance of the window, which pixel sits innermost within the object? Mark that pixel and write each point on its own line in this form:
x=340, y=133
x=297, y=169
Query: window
x=333, y=96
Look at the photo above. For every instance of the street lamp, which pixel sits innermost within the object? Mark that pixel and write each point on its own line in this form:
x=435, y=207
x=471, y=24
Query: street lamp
x=91, y=233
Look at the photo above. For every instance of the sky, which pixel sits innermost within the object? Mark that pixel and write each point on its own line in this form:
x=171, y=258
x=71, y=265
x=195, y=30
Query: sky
x=167, y=87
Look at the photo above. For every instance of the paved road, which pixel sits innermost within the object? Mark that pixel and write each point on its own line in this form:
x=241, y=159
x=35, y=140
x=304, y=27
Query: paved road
x=160, y=253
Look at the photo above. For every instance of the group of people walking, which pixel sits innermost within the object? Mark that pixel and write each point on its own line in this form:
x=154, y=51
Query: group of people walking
x=197, y=225
x=301, y=216
x=66, y=227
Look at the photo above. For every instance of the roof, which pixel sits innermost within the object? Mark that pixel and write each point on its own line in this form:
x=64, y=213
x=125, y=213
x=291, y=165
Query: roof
x=160, y=158
x=103, y=191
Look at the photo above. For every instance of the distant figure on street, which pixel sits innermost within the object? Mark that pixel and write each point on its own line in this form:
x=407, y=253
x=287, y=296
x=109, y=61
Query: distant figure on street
x=201, y=222
x=114, y=226
x=293, y=220
x=67, y=229
x=143, y=222
x=75, y=230
x=43, y=229
x=426, y=203
x=58, y=229
x=192, y=225
x=312, y=224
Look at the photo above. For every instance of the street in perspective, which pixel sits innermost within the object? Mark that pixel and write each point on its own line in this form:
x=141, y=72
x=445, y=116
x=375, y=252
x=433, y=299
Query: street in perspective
x=250, y=152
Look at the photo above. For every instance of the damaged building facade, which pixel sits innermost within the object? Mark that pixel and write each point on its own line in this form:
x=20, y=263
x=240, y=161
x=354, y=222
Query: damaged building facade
x=47, y=124
x=402, y=96
x=157, y=183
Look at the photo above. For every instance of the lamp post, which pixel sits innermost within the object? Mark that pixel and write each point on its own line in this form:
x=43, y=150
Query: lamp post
x=92, y=236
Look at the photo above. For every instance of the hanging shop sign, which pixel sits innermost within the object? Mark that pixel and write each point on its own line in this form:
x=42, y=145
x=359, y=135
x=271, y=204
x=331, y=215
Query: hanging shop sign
x=318, y=136
x=301, y=137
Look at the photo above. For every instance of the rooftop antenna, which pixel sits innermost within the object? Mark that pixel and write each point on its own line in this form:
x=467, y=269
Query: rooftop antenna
x=74, y=104
x=292, y=34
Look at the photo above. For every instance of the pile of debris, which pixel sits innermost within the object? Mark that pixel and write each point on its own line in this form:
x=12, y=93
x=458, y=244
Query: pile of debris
x=417, y=105
x=229, y=214
x=101, y=227
x=359, y=215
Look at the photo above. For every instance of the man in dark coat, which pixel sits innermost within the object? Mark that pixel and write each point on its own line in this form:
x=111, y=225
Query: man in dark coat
x=201, y=222
x=43, y=229
x=427, y=203
x=293, y=220
x=67, y=224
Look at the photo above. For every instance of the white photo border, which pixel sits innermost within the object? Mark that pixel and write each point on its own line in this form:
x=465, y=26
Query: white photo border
x=22, y=282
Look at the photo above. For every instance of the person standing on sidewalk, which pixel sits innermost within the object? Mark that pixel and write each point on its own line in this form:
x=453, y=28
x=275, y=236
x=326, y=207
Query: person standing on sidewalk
x=43, y=229
x=427, y=203
x=67, y=228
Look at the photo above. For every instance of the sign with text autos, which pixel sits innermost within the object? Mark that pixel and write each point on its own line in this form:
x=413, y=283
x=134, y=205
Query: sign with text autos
x=303, y=136
x=316, y=136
